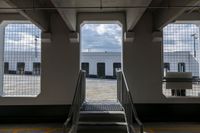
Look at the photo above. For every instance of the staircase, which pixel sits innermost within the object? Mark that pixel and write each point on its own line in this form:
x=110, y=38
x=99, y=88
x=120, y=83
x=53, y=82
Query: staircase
x=102, y=118
x=115, y=117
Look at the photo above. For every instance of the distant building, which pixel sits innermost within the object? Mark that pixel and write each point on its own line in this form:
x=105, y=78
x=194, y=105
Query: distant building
x=101, y=64
x=181, y=61
x=98, y=64
x=20, y=62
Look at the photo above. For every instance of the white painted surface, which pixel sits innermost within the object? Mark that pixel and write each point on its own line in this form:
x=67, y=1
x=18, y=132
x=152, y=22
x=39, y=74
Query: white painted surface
x=109, y=58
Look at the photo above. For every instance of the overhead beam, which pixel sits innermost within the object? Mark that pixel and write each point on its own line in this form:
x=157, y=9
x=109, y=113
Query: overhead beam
x=134, y=15
x=166, y=16
x=193, y=16
x=68, y=15
x=38, y=17
x=11, y=16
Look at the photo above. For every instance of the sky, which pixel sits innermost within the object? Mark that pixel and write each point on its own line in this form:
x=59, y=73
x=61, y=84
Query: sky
x=177, y=37
x=101, y=38
x=22, y=37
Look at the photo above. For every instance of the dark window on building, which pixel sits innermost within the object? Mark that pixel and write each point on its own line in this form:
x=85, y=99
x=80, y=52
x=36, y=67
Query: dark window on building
x=20, y=68
x=6, y=68
x=116, y=66
x=85, y=66
x=166, y=68
x=36, y=68
x=181, y=67
x=101, y=70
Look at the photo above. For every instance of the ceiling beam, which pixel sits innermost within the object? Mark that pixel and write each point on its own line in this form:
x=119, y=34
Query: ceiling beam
x=162, y=17
x=11, y=16
x=38, y=17
x=193, y=16
x=68, y=15
x=134, y=15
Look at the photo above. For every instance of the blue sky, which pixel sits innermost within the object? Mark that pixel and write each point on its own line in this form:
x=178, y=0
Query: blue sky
x=21, y=37
x=101, y=38
x=177, y=37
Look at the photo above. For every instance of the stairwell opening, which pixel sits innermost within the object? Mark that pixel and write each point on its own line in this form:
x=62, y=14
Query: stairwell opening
x=101, y=56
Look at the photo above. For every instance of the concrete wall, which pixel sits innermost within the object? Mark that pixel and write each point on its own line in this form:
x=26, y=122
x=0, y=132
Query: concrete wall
x=143, y=66
x=60, y=66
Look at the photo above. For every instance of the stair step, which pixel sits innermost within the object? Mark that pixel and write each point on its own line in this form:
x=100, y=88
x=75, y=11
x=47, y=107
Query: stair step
x=102, y=129
x=102, y=112
x=102, y=117
x=101, y=107
x=102, y=123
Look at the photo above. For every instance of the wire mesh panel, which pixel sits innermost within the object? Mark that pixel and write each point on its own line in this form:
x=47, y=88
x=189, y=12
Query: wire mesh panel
x=22, y=57
x=181, y=55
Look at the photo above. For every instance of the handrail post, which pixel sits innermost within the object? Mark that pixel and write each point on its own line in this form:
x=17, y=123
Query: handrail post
x=78, y=99
x=125, y=98
x=83, y=85
x=119, y=86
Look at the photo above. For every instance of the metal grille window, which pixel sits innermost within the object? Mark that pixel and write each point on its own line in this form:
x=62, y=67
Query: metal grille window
x=181, y=51
x=22, y=57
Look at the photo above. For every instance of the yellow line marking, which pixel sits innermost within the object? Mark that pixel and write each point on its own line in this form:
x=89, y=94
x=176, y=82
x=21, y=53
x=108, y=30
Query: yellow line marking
x=46, y=130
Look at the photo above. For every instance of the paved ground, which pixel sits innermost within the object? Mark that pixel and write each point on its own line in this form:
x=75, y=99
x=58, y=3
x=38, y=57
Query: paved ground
x=97, y=89
x=101, y=90
x=21, y=85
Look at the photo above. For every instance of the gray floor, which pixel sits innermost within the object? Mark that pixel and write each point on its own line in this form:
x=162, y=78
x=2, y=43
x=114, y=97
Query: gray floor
x=101, y=90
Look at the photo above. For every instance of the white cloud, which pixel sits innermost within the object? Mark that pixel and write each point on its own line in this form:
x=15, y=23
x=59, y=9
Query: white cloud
x=21, y=41
x=101, y=37
x=177, y=37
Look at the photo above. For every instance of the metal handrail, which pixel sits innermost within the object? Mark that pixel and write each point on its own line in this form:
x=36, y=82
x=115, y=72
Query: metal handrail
x=78, y=99
x=125, y=98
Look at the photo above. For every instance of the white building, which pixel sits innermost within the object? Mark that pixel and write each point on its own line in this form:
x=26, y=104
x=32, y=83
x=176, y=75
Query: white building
x=21, y=62
x=101, y=64
x=98, y=64
x=181, y=61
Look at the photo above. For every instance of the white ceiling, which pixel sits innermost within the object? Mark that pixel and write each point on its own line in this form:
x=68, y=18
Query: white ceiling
x=70, y=18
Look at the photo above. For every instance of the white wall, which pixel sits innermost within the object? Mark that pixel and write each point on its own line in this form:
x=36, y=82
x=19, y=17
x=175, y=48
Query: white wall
x=98, y=57
x=18, y=56
x=191, y=63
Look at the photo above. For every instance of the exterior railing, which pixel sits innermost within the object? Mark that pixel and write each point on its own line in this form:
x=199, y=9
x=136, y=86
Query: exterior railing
x=125, y=98
x=78, y=100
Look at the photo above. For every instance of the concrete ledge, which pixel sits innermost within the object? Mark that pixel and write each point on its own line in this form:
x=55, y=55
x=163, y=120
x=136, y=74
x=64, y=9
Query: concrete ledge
x=58, y=113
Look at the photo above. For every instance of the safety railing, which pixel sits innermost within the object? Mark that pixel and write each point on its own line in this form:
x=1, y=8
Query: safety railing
x=78, y=99
x=125, y=98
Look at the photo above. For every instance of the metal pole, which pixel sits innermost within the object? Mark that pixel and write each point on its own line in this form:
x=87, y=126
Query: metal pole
x=36, y=37
x=194, y=37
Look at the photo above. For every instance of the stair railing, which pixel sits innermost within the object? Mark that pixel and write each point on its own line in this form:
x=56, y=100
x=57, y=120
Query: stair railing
x=125, y=98
x=78, y=99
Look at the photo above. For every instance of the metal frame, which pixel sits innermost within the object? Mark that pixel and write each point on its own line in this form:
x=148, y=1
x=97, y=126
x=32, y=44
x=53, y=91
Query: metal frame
x=78, y=100
x=126, y=100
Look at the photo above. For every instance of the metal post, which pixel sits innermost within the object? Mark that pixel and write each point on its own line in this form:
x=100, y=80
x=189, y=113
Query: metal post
x=194, y=44
x=36, y=37
x=119, y=86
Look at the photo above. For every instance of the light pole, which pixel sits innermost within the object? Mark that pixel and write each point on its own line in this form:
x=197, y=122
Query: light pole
x=36, y=37
x=194, y=37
